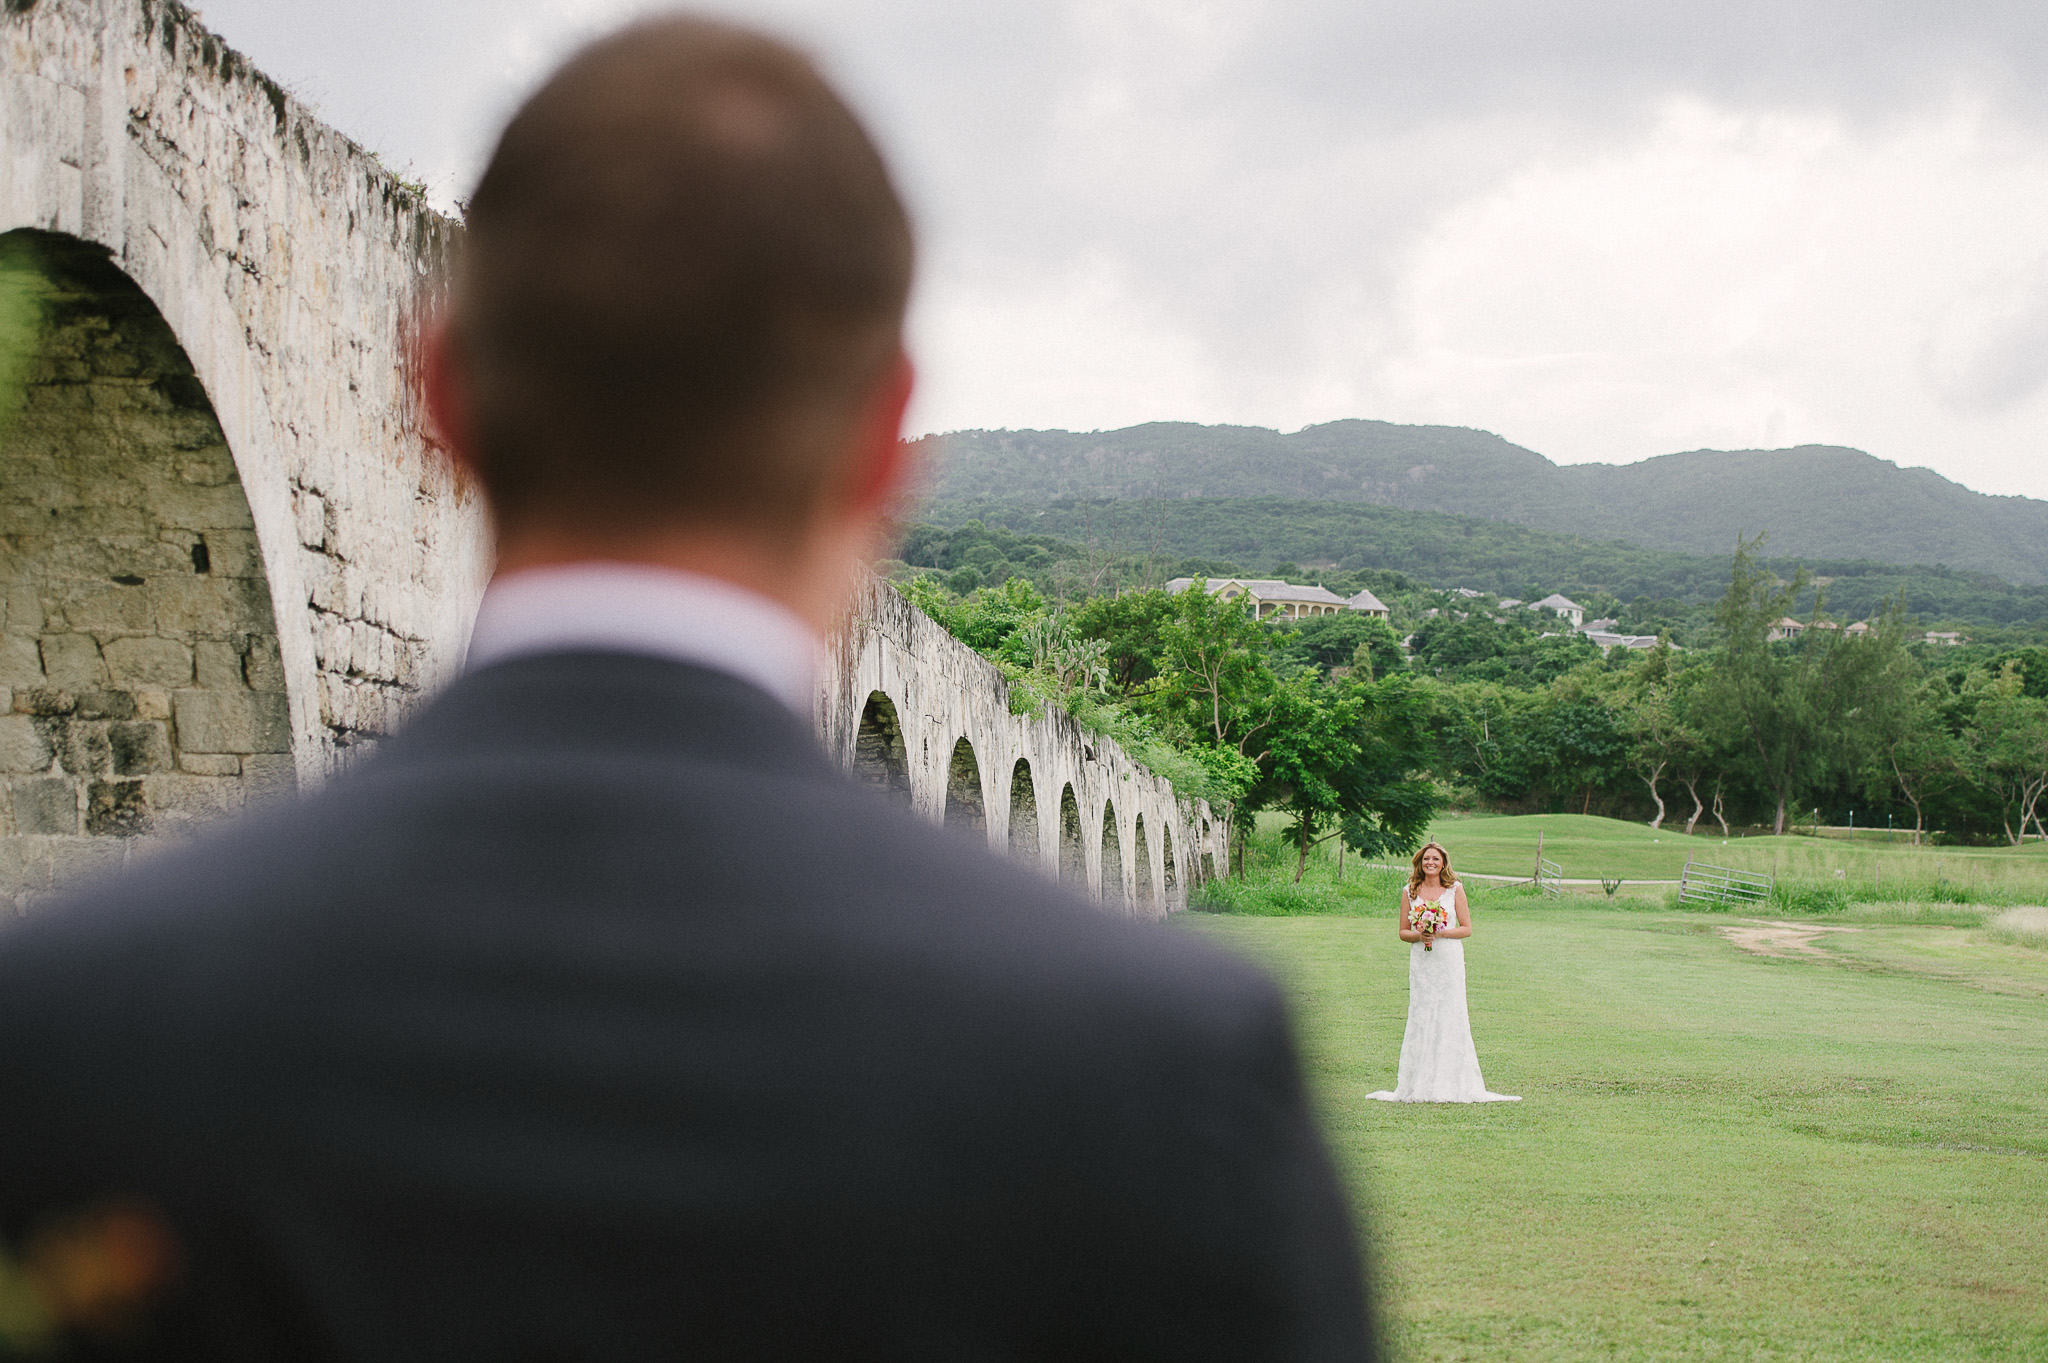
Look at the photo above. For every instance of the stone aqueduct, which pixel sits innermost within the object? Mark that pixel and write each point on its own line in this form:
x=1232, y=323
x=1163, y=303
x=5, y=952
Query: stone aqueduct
x=910, y=707
x=228, y=555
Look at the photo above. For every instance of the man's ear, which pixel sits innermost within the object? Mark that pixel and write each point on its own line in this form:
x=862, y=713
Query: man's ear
x=882, y=464
x=446, y=390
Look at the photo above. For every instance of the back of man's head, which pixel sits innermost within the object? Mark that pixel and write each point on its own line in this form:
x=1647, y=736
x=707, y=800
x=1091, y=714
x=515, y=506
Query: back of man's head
x=683, y=273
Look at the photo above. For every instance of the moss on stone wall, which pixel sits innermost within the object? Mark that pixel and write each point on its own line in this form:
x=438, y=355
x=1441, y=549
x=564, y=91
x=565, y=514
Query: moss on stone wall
x=21, y=322
x=140, y=684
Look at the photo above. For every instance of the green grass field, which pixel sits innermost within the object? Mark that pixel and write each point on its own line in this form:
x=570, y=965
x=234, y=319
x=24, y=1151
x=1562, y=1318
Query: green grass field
x=1587, y=847
x=1719, y=1155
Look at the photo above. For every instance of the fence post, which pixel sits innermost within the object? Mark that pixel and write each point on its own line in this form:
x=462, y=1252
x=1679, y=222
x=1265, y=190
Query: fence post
x=1537, y=878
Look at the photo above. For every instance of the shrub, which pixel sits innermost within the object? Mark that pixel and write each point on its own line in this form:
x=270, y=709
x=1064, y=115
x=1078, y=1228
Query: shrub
x=1809, y=898
x=1268, y=898
x=1268, y=890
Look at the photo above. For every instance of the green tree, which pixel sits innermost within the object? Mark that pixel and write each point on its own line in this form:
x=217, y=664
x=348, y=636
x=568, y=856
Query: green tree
x=994, y=553
x=2010, y=741
x=1447, y=644
x=1576, y=737
x=1349, y=759
x=1480, y=648
x=1313, y=742
x=984, y=619
x=1216, y=683
x=2033, y=668
x=1905, y=733
x=1653, y=723
x=1351, y=640
x=1129, y=625
x=1214, y=674
x=1476, y=727
x=1706, y=755
x=1784, y=704
x=1390, y=798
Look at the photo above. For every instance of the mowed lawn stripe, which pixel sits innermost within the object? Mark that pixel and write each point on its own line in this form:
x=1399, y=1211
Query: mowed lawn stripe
x=1718, y=1155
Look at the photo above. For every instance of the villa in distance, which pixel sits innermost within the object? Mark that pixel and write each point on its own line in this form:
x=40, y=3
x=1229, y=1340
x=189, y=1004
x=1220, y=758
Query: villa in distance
x=1273, y=599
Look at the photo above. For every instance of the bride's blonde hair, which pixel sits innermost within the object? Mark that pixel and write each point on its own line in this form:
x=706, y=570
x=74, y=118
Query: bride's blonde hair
x=1445, y=877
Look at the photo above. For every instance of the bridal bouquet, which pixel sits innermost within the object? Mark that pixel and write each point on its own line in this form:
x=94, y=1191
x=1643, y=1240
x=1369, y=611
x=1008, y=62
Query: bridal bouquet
x=1428, y=919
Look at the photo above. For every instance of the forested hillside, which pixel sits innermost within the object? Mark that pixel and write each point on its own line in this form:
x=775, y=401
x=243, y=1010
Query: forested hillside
x=1816, y=502
x=1306, y=540
x=1337, y=725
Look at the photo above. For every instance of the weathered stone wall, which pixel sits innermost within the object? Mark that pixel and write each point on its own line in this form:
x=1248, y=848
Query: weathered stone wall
x=228, y=554
x=141, y=688
x=900, y=695
x=287, y=263
x=283, y=266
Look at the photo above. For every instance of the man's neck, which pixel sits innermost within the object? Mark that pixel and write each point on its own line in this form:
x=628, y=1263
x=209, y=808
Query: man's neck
x=811, y=574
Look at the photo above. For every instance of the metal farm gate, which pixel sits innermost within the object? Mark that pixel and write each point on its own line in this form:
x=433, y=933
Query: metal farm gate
x=1722, y=886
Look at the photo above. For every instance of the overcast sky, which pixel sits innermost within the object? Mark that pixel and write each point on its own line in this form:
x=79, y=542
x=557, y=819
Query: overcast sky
x=1605, y=229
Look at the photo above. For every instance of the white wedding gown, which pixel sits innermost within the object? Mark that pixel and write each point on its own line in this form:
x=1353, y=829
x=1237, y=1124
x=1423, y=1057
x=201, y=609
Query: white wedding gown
x=1438, y=1061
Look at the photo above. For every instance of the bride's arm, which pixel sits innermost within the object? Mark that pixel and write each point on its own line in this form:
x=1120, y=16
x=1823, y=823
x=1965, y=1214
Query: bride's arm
x=1463, y=927
x=1408, y=934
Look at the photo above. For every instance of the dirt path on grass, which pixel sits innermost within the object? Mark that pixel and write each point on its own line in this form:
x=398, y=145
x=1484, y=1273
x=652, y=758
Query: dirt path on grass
x=1765, y=937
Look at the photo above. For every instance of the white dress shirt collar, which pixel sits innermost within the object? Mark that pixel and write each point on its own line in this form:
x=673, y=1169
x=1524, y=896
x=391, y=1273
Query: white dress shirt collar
x=656, y=612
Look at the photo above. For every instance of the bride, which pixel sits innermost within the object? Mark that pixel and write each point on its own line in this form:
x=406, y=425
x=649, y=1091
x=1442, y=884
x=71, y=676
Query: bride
x=1438, y=1062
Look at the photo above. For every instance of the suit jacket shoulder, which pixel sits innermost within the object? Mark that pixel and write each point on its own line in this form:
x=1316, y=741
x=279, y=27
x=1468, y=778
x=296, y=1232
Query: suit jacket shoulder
x=606, y=954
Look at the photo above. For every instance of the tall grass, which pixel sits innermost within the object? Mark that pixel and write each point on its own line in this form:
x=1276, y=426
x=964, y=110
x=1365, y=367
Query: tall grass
x=1893, y=899
x=1824, y=895
x=1887, y=874
x=1919, y=913
x=2026, y=926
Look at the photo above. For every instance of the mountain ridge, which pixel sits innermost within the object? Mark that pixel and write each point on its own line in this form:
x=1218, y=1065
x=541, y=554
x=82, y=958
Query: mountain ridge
x=1820, y=501
x=1307, y=541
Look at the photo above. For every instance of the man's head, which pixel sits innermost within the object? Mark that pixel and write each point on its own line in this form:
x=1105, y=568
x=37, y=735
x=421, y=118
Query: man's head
x=677, y=311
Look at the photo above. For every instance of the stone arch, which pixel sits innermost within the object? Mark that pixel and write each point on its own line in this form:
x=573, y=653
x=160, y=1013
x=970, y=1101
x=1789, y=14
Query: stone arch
x=1112, y=860
x=1045, y=780
x=1073, y=862
x=1171, y=879
x=879, y=757
x=966, y=809
x=1145, y=902
x=373, y=557
x=1024, y=814
x=138, y=645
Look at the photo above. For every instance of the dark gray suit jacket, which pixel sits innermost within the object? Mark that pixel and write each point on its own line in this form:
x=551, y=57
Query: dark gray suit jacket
x=599, y=1016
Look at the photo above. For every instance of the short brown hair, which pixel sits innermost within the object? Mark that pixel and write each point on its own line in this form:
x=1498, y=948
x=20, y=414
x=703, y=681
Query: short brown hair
x=683, y=269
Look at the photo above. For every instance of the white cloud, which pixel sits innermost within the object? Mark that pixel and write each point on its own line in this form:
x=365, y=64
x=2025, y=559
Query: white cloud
x=1746, y=279
x=1603, y=229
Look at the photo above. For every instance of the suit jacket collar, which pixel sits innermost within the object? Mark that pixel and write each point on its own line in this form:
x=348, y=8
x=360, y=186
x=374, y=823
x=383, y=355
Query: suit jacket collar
x=660, y=612
x=617, y=703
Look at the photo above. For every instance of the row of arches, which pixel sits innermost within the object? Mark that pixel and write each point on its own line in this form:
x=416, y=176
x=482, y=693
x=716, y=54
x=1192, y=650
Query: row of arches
x=246, y=560
x=1139, y=885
